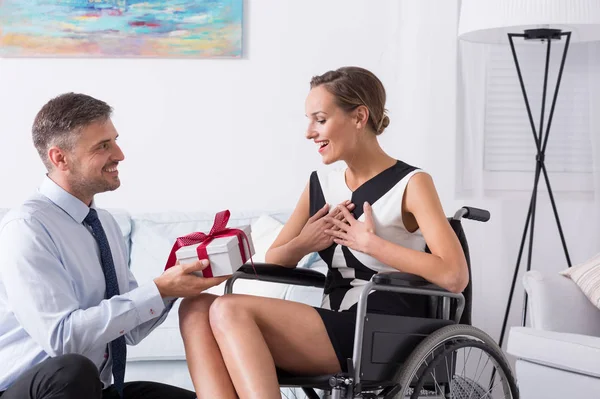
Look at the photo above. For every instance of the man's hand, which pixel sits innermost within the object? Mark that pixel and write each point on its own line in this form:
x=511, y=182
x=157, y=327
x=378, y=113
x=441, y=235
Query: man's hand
x=179, y=282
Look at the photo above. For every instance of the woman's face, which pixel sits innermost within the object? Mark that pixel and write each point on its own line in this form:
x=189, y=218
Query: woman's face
x=330, y=127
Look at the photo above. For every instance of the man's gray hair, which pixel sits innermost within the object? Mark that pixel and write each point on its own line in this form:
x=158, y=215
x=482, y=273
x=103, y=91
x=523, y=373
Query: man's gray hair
x=62, y=118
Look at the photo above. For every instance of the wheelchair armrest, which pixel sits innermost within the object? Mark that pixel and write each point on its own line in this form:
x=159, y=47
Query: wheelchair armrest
x=399, y=279
x=277, y=274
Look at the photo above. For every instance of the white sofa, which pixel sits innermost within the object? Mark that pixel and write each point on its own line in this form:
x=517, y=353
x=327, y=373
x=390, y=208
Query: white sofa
x=559, y=356
x=160, y=357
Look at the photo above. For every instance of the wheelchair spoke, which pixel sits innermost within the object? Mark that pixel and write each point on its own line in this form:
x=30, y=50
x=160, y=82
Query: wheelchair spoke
x=478, y=363
x=436, y=383
x=462, y=384
x=484, y=366
x=422, y=373
x=489, y=392
x=502, y=382
x=474, y=389
x=448, y=368
x=465, y=359
x=453, y=365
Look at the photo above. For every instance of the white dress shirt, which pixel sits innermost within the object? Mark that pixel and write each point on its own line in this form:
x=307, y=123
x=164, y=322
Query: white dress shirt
x=52, y=289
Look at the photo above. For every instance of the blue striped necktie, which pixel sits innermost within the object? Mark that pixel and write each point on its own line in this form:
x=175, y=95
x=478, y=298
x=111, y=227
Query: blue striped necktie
x=118, y=346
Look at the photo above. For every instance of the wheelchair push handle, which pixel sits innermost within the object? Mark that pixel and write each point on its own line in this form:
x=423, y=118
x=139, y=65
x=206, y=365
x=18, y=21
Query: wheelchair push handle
x=469, y=212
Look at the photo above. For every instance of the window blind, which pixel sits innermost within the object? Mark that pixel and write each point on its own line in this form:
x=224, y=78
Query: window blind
x=508, y=139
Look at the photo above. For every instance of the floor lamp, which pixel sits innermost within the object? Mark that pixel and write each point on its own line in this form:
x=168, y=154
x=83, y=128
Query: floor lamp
x=545, y=22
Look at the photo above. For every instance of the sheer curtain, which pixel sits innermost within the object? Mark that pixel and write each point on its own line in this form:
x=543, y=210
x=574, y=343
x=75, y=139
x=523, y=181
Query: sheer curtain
x=595, y=128
x=471, y=105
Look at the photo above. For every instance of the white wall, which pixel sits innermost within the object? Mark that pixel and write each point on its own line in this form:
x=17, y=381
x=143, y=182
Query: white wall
x=197, y=133
x=216, y=134
x=207, y=133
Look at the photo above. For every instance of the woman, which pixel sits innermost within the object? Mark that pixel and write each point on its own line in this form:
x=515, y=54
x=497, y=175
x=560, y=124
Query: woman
x=389, y=209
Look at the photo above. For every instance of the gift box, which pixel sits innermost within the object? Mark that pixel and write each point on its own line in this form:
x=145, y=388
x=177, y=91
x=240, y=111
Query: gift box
x=224, y=254
x=226, y=248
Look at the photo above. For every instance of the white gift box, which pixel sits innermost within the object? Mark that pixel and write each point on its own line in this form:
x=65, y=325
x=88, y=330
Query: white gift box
x=224, y=253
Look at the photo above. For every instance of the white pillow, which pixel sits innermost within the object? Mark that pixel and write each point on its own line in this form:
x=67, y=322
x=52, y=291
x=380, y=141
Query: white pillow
x=587, y=277
x=264, y=231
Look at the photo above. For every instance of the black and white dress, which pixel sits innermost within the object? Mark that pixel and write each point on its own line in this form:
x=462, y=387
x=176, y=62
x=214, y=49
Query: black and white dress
x=350, y=270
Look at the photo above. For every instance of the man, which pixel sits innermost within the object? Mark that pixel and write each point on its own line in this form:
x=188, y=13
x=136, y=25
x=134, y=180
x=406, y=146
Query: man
x=68, y=302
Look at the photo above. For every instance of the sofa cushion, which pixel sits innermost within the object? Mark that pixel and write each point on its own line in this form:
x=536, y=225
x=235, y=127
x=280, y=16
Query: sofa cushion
x=264, y=231
x=3, y=212
x=557, y=304
x=123, y=219
x=572, y=352
x=587, y=277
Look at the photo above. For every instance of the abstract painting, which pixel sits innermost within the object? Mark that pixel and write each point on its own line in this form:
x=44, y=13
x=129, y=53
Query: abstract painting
x=121, y=28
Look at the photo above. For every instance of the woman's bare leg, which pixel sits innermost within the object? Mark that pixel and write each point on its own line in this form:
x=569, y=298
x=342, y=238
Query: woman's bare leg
x=205, y=363
x=255, y=334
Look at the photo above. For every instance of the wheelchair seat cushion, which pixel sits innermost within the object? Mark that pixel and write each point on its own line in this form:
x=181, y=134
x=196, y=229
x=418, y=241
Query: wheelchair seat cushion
x=340, y=325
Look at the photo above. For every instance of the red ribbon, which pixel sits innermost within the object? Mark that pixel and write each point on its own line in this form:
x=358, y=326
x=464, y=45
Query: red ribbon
x=219, y=229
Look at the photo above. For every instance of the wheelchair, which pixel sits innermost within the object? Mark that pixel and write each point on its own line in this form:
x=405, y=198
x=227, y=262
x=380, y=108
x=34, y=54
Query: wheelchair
x=439, y=356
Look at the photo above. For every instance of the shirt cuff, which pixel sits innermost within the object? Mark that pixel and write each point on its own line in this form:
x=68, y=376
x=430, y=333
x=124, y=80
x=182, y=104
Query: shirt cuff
x=148, y=302
x=169, y=301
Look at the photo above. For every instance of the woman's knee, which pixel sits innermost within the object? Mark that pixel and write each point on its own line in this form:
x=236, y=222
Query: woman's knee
x=195, y=310
x=225, y=311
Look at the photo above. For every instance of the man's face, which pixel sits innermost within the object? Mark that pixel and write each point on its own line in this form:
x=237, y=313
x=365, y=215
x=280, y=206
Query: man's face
x=92, y=163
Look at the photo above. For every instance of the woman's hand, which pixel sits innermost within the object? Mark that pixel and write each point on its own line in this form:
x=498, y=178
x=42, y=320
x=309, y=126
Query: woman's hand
x=351, y=232
x=313, y=235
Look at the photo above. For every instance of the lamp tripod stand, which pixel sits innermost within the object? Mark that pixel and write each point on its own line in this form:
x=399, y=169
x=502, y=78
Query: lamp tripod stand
x=541, y=140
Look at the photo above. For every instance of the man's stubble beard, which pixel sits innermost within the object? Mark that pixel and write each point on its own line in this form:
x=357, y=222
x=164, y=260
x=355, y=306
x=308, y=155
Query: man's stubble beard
x=88, y=188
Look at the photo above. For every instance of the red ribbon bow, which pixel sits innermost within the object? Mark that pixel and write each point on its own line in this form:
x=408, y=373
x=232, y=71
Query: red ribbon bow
x=219, y=229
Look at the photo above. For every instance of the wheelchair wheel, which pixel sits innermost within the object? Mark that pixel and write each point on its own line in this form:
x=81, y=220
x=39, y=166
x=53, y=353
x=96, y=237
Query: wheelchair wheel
x=456, y=362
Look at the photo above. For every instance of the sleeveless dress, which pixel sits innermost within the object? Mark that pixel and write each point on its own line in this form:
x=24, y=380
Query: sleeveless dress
x=350, y=270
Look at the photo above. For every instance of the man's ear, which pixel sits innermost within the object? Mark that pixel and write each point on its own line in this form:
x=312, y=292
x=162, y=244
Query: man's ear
x=58, y=158
x=361, y=114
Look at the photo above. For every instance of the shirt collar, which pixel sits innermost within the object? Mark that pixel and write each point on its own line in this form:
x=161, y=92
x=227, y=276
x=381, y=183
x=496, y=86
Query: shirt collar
x=64, y=200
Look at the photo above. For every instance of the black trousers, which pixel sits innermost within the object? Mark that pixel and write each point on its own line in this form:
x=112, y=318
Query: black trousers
x=76, y=377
